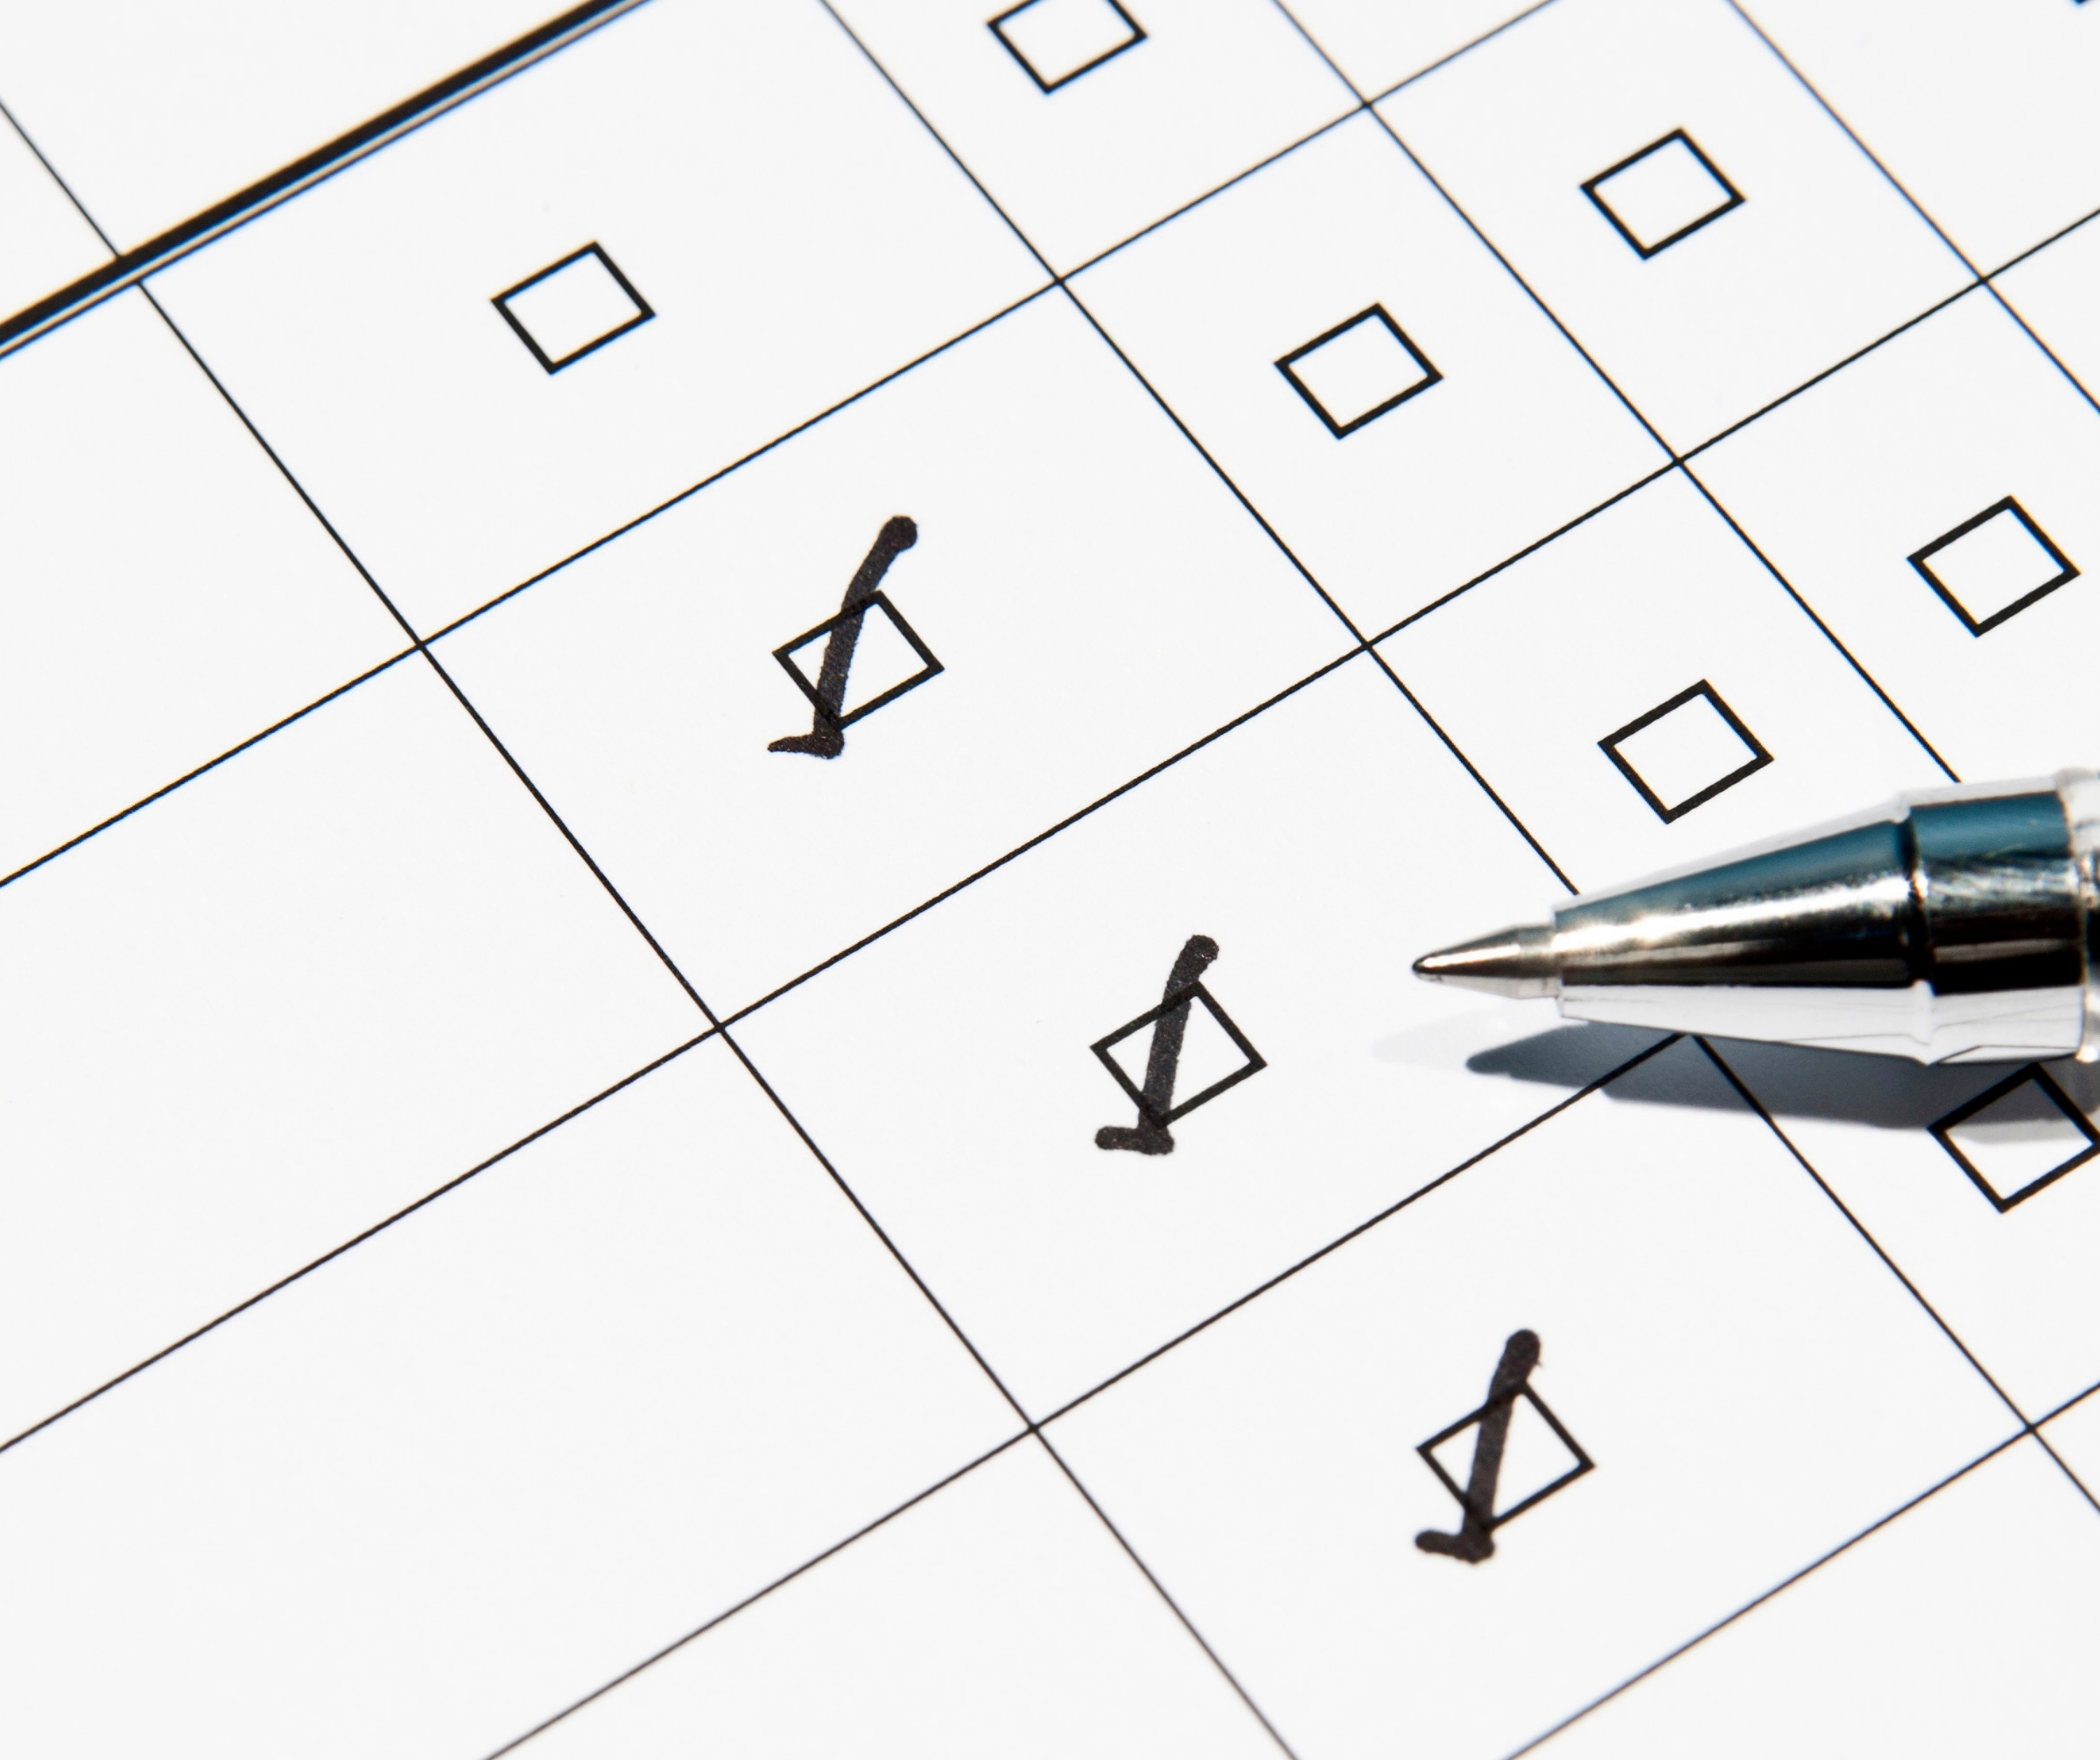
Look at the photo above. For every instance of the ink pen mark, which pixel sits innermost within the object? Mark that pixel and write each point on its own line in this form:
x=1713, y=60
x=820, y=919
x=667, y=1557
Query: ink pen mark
x=1473, y=1541
x=828, y=720
x=1164, y=1060
x=1511, y=1381
x=1169, y=1022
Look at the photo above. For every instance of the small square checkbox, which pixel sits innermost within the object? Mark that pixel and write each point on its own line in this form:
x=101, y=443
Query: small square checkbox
x=1993, y=566
x=884, y=659
x=1684, y=752
x=2016, y=1137
x=1355, y=372
x=1214, y=1054
x=1665, y=192
x=1057, y=41
x=572, y=307
x=1539, y=1457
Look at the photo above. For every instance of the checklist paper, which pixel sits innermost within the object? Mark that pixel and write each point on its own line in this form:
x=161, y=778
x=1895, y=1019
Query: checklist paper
x=727, y=726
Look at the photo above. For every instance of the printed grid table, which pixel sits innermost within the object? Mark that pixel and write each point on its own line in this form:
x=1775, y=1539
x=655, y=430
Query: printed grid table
x=728, y=727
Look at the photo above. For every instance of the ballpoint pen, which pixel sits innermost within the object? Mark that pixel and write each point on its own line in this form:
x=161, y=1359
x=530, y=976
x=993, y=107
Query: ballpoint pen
x=1955, y=925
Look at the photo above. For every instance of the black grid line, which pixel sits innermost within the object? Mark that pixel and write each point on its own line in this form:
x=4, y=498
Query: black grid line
x=430, y=659
x=1814, y=380
x=1276, y=538
x=1160, y=1588
x=1982, y=284
x=420, y=646
x=1348, y=115
x=1449, y=56
x=1916, y=206
x=1172, y=214
x=583, y=854
x=1871, y=157
x=1203, y=452
x=1080, y=306
x=1471, y=769
x=1756, y=1602
x=735, y=464
x=1153, y=226
x=1829, y=635
x=357, y=1240
x=831, y=1551
x=1487, y=244
x=65, y=189
x=740, y=1052
x=2057, y=1411
x=1393, y=1209
x=1474, y=771
x=1072, y=818
x=786, y=1112
x=1032, y=1427
x=2028, y=1428
x=209, y=765
x=1537, y=544
x=1042, y=837
x=130, y=268
x=1051, y=286
x=781, y=1581
x=1167, y=409
x=2028, y=1424
x=2048, y=354
x=604, y=880
x=1501, y=805
x=714, y=1025
x=2019, y=256
x=880, y=1233
x=234, y=211
x=1037, y=1426
x=2091, y=1495
x=1814, y=1565
x=1676, y=458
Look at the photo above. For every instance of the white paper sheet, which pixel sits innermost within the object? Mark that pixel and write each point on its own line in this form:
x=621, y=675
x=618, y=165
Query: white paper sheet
x=724, y=729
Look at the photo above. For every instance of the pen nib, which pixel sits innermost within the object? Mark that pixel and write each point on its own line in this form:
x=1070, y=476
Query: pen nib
x=1511, y=962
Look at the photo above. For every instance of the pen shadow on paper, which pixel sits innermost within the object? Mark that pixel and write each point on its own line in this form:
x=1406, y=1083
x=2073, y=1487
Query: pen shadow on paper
x=1790, y=1082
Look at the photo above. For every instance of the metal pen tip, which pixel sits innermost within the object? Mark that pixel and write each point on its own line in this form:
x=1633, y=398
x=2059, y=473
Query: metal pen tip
x=1511, y=962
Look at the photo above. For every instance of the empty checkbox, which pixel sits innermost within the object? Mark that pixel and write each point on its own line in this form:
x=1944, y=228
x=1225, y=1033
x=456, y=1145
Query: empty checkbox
x=1058, y=39
x=1357, y=371
x=2016, y=1138
x=1682, y=752
x=1993, y=566
x=883, y=659
x=572, y=307
x=1663, y=193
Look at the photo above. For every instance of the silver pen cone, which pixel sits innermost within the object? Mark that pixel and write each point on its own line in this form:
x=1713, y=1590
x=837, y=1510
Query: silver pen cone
x=1956, y=925
x=1512, y=962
